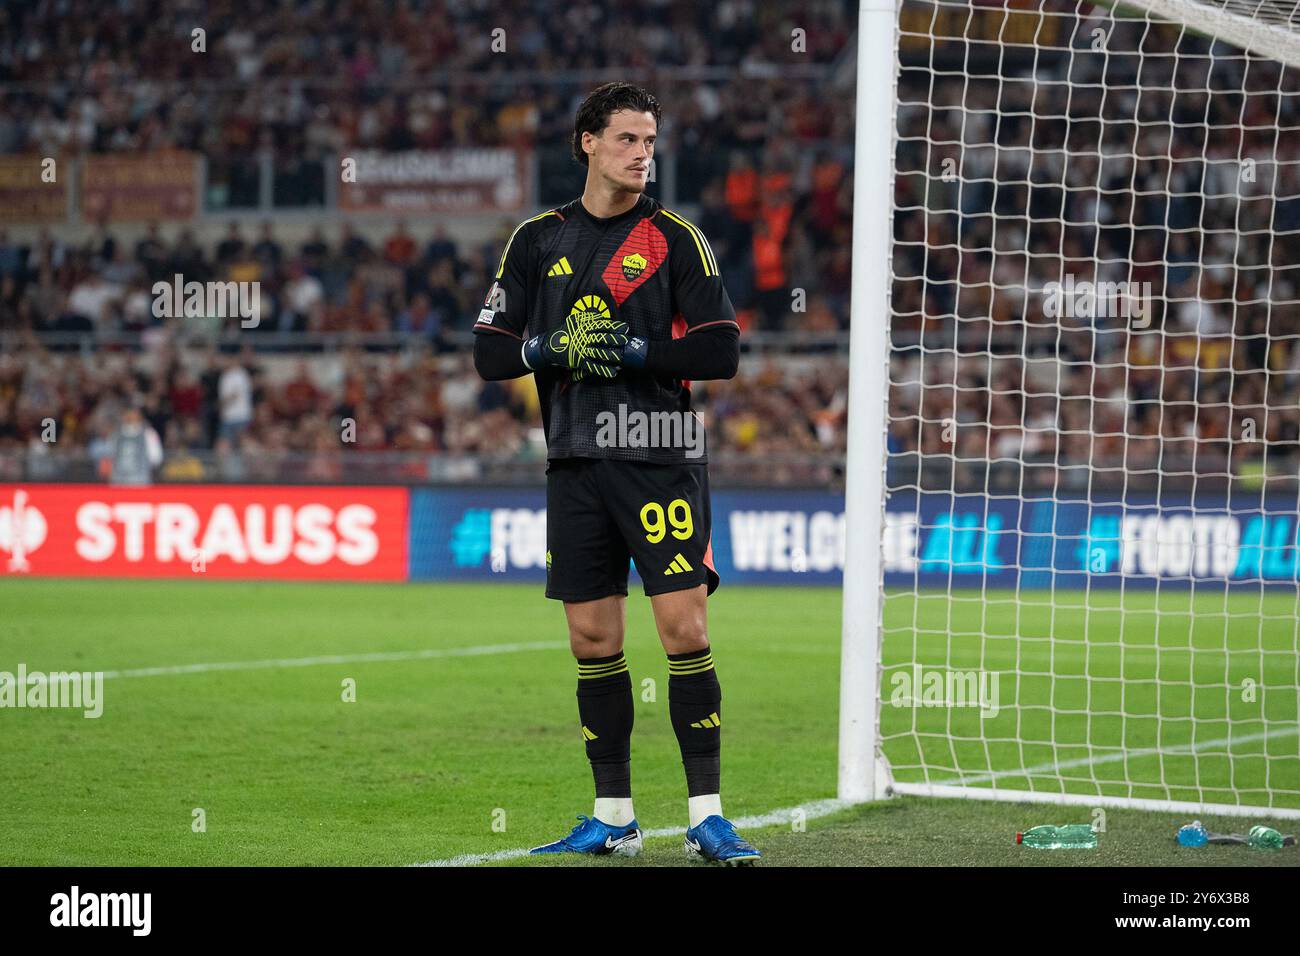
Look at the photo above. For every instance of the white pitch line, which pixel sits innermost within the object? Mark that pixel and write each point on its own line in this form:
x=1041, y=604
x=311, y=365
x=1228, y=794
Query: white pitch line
x=1181, y=750
x=376, y=657
x=818, y=808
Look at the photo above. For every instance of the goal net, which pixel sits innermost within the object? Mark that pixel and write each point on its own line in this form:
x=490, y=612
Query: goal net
x=1090, y=556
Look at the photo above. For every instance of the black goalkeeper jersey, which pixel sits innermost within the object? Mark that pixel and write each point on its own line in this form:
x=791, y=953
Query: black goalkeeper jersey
x=648, y=267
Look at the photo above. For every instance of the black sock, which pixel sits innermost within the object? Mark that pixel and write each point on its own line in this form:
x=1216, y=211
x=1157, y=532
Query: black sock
x=695, y=705
x=605, y=709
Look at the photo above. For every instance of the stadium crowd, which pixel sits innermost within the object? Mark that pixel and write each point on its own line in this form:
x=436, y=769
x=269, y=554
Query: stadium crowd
x=233, y=413
x=1055, y=177
x=1107, y=276
x=761, y=152
x=425, y=288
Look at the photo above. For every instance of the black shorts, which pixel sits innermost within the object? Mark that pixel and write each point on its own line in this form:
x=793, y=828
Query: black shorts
x=601, y=513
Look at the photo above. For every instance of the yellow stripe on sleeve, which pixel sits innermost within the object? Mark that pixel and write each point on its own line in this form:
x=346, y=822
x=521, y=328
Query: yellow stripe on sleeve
x=501, y=267
x=702, y=244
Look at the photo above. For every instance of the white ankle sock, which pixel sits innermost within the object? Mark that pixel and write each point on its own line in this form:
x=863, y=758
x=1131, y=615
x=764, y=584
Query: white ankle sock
x=703, y=807
x=615, y=811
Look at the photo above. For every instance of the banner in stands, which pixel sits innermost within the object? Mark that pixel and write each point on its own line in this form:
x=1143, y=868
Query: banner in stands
x=759, y=537
x=447, y=181
x=223, y=531
x=797, y=537
x=162, y=186
x=26, y=192
x=986, y=27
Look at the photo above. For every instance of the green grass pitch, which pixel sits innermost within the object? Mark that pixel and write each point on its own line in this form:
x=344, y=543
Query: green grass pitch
x=457, y=746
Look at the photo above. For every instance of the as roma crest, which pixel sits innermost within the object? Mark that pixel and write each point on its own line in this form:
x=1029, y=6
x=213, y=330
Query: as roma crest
x=633, y=266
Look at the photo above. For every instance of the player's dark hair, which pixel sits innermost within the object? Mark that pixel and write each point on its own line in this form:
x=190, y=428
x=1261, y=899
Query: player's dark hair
x=593, y=114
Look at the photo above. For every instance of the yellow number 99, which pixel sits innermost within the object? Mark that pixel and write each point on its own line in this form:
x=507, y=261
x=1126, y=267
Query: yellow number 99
x=652, y=519
x=679, y=516
x=683, y=527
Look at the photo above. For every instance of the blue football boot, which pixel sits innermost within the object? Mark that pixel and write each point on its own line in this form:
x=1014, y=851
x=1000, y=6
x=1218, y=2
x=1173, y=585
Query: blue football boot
x=592, y=836
x=716, y=840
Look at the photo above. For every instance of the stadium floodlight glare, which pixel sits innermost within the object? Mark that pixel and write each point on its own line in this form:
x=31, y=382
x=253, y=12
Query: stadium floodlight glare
x=1074, y=443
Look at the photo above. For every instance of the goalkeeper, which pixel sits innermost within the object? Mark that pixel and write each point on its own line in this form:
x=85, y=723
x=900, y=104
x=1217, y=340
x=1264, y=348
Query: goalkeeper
x=614, y=303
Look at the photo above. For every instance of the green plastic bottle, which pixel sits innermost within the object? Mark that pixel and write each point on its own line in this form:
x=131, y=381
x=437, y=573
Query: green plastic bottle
x=1072, y=836
x=1264, y=838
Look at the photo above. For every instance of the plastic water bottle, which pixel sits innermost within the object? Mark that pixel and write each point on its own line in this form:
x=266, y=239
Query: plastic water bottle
x=1264, y=838
x=1072, y=836
x=1194, y=834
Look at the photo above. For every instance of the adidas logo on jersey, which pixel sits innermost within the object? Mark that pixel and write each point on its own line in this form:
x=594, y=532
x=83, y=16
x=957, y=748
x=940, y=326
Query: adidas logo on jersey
x=561, y=268
x=679, y=566
x=713, y=720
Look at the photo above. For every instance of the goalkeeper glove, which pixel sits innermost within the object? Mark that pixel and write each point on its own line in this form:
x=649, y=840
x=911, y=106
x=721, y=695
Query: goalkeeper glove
x=634, y=353
x=594, y=349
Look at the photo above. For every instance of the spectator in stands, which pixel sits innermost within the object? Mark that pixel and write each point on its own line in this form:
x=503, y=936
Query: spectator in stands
x=233, y=246
x=92, y=299
x=440, y=247
x=267, y=251
x=399, y=248
x=135, y=450
x=151, y=253
x=303, y=301
x=235, y=393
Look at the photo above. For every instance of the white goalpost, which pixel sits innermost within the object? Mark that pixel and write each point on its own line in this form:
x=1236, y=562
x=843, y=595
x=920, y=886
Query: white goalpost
x=1072, y=567
x=868, y=390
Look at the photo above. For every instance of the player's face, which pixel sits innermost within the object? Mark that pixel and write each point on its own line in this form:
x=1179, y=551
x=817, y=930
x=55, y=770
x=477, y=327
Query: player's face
x=624, y=149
